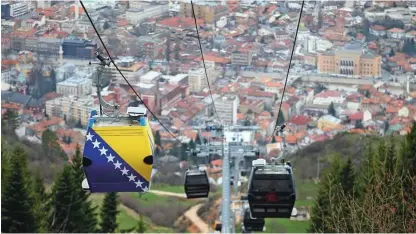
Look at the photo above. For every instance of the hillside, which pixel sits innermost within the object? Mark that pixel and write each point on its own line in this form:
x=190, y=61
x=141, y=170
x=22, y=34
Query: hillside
x=305, y=161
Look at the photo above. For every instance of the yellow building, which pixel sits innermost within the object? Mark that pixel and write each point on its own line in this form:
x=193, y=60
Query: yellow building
x=209, y=13
x=350, y=61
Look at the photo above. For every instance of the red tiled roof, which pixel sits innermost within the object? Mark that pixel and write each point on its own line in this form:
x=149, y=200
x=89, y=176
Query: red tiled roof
x=181, y=22
x=300, y=119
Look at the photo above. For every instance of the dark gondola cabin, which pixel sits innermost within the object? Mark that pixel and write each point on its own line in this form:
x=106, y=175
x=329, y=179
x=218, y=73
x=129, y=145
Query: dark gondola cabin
x=271, y=190
x=196, y=184
x=251, y=224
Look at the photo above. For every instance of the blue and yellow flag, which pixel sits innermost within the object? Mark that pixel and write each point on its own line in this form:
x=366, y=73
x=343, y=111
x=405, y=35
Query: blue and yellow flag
x=121, y=158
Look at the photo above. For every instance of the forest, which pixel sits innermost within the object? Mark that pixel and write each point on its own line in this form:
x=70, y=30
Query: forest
x=375, y=194
x=379, y=195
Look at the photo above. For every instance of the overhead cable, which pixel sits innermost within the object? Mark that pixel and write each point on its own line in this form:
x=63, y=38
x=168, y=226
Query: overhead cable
x=287, y=73
x=119, y=71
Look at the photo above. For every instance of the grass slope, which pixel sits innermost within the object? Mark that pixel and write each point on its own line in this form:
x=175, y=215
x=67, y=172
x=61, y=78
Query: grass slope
x=128, y=218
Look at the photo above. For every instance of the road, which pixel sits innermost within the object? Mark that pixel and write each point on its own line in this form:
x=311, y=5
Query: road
x=191, y=214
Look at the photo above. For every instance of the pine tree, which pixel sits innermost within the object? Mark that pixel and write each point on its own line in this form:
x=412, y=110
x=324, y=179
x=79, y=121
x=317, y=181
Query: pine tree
x=347, y=179
x=198, y=139
x=274, y=139
x=158, y=139
x=331, y=110
x=281, y=118
x=42, y=207
x=109, y=213
x=140, y=226
x=67, y=208
x=17, y=212
x=89, y=219
x=322, y=211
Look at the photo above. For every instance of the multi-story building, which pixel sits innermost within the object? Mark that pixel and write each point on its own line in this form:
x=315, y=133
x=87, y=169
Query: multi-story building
x=226, y=107
x=209, y=12
x=196, y=77
x=43, y=45
x=312, y=44
x=71, y=108
x=74, y=86
x=130, y=68
x=74, y=47
x=350, y=61
x=18, y=9
x=242, y=58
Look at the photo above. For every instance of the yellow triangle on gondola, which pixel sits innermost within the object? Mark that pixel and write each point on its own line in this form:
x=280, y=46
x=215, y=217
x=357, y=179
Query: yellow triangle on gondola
x=131, y=143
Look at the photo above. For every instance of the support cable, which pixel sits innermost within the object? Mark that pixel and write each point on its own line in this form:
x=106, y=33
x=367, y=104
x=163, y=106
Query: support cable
x=119, y=71
x=287, y=73
x=203, y=61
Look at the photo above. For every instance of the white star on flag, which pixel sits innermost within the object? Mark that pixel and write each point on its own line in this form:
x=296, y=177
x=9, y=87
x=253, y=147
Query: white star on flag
x=138, y=183
x=117, y=164
x=89, y=136
x=145, y=189
x=103, y=151
x=124, y=171
x=110, y=158
x=131, y=177
x=96, y=144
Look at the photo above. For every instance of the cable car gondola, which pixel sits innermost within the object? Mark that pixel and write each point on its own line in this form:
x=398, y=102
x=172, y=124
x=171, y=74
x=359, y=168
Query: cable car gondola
x=118, y=151
x=251, y=224
x=196, y=183
x=271, y=190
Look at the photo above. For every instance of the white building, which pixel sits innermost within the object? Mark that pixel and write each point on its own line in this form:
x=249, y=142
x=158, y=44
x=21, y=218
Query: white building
x=18, y=9
x=226, y=107
x=71, y=108
x=196, y=77
x=74, y=86
x=151, y=77
x=312, y=44
x=131, y=69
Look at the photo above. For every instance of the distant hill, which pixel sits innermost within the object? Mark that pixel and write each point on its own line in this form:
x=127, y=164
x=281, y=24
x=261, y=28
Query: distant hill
x=305, y=161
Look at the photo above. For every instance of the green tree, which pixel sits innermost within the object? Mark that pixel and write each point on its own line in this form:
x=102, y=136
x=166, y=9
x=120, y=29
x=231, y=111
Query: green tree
x=42, y=207
x=274, y=139
x=158, y=140
x=198, y=139
x=331, y=110
x=9, y=122
x=50, y=144
x=280, y=118
x=177, y=49
x=17, y=210
x=66, y=205
x=191, y=144
x=89, y=220
x=323, y=212
x=109, y=213
x=347, y=179
x=140, y=226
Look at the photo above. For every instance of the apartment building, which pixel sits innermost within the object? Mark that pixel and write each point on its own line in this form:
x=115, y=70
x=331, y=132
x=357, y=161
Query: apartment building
x=350, y=61
x=130, y=68
x=74, y=86
x=71, y=108
x=196, y=77
x=242, y=58
x=227, y=107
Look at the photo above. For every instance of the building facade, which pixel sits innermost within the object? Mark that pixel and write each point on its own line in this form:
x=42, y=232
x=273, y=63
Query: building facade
x=70, y=108
x=207, y=12
x=227, y=107
x=78, y=48
x=74, y=86
x=350, y=61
